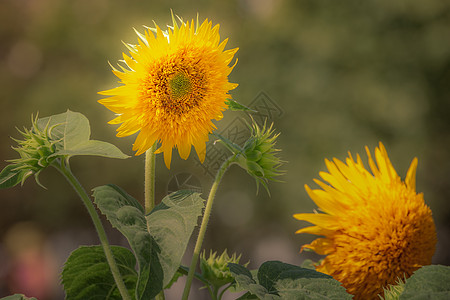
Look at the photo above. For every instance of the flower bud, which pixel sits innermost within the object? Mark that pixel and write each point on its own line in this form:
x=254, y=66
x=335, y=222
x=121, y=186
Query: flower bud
x=35, y=151
x=215, y=268
x=258, y=157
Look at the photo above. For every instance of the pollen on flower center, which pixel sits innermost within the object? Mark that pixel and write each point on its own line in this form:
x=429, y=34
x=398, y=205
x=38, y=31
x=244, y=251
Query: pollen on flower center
x=180, y=86
x=175, y=85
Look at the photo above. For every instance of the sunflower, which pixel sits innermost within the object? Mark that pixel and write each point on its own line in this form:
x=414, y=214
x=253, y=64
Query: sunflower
x=175, y=82
x=376, y=228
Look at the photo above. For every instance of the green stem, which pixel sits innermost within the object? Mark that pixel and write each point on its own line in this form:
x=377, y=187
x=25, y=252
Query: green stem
x=201, y=233
x=149, y=190
x=65, y=170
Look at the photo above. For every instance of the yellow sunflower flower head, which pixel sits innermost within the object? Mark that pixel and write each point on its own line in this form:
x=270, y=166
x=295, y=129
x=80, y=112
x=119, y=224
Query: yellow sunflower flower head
x=375, y=227
x=174, y=83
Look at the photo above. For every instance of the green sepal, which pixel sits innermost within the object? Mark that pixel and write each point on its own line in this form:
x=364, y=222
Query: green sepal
x=236, y=106
x=393, y=291
x=234, y=148
x=254, y=155
x=10, y=176
x=308, y=263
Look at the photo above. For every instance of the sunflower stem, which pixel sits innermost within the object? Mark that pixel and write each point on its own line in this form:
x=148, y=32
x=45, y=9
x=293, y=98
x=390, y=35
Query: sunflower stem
x=67, y=173
x=149, y=191
x=149, y=179
x=201, y=233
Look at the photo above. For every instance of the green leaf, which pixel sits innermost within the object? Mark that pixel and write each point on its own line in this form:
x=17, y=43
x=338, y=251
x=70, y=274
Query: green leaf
x=73, y=131
x=10, y=177
x=428, y=282
x=17, y=297
x=277, y=280
x=174, y=279
x=272, y=271
x=308, y=264
x=236, y=106
x=72, y=128
x=127, y=215
x=171, y=224
x=86, y=273
x=245, y=281
x=311, y=288
x=94, y=148
x=247, y=296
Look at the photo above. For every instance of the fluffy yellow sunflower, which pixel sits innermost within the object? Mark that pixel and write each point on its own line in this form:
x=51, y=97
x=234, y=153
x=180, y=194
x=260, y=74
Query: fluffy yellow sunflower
x=376, y=228
x=175, y=82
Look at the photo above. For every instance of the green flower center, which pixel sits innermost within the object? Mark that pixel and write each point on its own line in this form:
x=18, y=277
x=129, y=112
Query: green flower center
x=180, y=86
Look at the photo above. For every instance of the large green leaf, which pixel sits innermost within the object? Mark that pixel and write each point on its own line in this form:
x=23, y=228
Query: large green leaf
x=311, y=288
x=17, y=297
x=277, y=280
x=245, y=281
x=86, y=273
x=70, y=127
x=127, y=215
x=93, y=148
x=171, y=224
x=73, y=132
x=428, y=282
x=271, y=272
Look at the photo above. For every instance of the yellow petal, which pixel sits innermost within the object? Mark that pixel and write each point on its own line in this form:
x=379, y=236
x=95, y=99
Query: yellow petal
x=410, y=179
x=325, y=202
x=322, y=220
x=314, y=230
x=321, y=246
x=184, y=149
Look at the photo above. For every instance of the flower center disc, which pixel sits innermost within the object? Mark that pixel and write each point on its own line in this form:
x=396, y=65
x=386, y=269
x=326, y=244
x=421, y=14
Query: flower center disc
x=180, y=86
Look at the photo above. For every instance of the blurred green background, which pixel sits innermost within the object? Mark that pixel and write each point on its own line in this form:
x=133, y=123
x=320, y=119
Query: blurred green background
x=345, y=73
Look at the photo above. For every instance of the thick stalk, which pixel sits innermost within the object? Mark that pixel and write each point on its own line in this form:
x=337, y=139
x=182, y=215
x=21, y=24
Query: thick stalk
x=65, y=170
x=149, y=179
x=201, y=233
x=149, y=190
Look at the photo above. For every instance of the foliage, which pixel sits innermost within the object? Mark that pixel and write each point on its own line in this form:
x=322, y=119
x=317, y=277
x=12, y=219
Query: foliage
x=277, y=280
x=49, y=139
x=356, y=52
x=158, y=240
x=86, y=273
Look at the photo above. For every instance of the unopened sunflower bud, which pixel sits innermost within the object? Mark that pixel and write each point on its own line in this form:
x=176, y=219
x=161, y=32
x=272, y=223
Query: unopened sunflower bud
x=35, y=152
x=258, y=157
x=393, y=292
x=215, y=268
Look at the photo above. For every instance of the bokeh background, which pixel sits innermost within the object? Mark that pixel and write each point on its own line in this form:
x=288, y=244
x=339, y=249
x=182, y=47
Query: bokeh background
x=345, y=73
